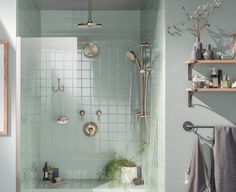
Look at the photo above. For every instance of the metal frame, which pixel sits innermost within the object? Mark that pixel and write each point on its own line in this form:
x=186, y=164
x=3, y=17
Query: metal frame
x=190, y=71
x=190, y=98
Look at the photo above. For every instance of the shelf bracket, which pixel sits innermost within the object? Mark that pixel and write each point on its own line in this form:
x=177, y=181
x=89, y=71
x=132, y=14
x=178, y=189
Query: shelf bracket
x=190, y=71
x=190, y=98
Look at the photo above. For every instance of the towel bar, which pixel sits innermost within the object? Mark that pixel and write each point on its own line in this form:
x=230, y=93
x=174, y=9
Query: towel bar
x=189, y=126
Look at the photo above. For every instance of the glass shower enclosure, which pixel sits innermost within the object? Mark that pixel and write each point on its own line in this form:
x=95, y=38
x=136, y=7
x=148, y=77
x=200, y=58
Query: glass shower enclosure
x=62, y=89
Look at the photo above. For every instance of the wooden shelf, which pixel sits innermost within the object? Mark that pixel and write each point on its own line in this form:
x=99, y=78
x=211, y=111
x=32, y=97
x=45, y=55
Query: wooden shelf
x=192, y=89
x=206, y=62
x=232, y=35
x=191, y=63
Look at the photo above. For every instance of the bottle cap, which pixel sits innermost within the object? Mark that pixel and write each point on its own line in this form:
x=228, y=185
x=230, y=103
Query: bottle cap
x=213, y=71
x=224, y=77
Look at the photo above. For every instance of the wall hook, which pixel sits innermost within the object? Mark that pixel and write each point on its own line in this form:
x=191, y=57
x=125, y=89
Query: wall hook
x=59, y=87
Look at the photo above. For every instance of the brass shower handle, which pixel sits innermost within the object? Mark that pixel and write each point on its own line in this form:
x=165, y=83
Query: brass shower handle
x=99, y=113
x=82, y=114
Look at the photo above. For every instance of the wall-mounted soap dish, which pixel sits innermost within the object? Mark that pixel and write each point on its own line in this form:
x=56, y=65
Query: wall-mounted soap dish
x=62, y=120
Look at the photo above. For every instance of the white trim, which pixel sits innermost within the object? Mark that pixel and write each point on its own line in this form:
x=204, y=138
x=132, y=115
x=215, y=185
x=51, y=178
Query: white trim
x=18, y=101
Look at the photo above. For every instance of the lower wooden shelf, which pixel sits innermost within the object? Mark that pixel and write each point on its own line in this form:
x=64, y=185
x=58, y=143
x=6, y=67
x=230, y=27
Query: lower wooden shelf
x=193, y=90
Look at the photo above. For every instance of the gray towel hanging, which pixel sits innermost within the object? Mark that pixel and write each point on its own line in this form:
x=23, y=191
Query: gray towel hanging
x=225, y=158
x=197, y=179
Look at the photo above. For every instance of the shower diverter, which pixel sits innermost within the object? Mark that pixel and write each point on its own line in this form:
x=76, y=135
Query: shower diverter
x=90, y=129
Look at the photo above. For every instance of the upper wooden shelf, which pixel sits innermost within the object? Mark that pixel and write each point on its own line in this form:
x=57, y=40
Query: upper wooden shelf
x=211, y=89
x=232, y=35
x=190, y=62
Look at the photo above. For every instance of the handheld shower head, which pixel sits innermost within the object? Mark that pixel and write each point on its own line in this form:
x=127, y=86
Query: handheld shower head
x=132, y=56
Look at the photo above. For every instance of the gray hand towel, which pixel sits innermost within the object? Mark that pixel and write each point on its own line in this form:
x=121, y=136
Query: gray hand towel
x=225, y=159
x=197, y=173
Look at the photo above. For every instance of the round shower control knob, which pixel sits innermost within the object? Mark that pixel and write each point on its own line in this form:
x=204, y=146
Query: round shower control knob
x=99, y=113
x=90, y=129
x=82, y=114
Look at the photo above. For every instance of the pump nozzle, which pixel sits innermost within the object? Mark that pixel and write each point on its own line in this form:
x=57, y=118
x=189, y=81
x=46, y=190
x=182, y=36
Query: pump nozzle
x=213, y=71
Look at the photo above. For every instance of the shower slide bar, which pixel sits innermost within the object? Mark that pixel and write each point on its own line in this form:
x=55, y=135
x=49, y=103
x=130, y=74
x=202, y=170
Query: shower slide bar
x=188, y=126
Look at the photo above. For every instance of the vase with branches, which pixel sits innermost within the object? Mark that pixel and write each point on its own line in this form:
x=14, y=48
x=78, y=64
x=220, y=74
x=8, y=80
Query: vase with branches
x=197, y=20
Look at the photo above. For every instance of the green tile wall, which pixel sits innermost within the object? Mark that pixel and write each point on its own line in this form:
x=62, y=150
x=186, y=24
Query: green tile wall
x=28, y=18
x=30, y=167
x=108, y=82
x=104, y=83
x=152, y=32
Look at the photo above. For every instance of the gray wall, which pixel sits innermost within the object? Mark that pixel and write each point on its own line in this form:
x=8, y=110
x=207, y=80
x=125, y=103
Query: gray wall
x=7, y=144
x=178, y=142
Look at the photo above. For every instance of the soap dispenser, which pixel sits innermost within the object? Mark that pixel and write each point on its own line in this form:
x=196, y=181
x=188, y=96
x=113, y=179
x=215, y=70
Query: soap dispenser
x=45, y=172
x=213, y=79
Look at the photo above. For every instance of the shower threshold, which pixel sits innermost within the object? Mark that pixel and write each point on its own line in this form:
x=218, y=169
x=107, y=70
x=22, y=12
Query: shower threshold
x=86, y=185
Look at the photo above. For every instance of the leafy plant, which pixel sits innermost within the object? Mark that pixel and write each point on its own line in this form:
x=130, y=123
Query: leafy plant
x=142, y=148
x=112, y=170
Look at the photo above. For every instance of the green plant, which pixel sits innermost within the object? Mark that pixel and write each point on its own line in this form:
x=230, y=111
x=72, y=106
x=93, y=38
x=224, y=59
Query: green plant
x=142, y=148
x=112, y=170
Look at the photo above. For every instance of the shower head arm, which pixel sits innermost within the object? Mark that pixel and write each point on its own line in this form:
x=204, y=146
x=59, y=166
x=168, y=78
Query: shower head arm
x=90, y=11
x=138, y=63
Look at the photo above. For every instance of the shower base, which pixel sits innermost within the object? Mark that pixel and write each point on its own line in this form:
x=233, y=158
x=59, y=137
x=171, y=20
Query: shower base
x=86, y=185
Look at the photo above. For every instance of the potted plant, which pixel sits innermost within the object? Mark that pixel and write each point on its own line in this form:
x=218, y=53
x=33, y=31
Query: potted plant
x=119, y=170
x=129, y=172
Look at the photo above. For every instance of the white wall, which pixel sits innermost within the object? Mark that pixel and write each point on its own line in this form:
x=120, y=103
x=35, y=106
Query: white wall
x=222, y=105
x=7, y=144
